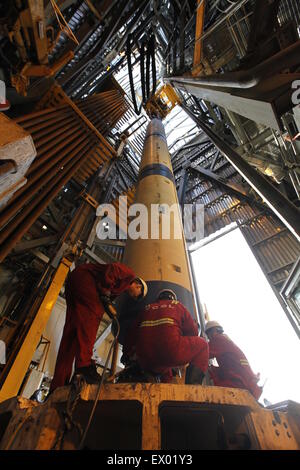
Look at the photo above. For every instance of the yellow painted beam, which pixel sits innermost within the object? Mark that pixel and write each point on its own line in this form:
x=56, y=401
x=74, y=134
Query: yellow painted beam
x=199, y=31
x=22, y=361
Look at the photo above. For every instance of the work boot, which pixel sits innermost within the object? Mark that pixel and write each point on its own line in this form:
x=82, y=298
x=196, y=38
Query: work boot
x=89, y=373
x=194, y=375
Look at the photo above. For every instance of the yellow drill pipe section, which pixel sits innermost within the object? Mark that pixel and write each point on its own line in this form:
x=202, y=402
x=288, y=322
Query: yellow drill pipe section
x=161, y=260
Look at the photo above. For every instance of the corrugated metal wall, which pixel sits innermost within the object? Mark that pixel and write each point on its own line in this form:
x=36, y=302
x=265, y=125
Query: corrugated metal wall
x=275, y=248
x=289, y=10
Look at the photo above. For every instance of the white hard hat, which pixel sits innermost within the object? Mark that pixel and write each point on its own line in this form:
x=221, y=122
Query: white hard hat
x=212, y=324
x=144, y=286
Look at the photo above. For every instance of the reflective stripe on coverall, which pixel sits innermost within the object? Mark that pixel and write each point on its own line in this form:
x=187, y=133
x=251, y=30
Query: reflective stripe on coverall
x=234, y=370
x=165, y=336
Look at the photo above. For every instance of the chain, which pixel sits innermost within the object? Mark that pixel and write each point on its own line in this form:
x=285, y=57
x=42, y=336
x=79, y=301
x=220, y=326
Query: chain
x=67, y=415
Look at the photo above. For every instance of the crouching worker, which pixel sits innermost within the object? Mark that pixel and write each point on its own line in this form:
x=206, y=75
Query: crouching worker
x=165, y=336
x=234, y=370
x=85, y=287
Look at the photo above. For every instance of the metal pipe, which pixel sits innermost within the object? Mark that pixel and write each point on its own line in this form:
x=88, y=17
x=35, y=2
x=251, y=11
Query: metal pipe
x=55, y=147
x=248, y=78
x=98, y=117
x=46, y=134
x=64, y=137
x=11, y=211
x=40, y=204
x=60, y=158
x=287, y=212
x=40, y=162
x=22, y=120
x=104, y=106
x=41, y=123
x=162, y=261
x=100, y=113
x=51, y=134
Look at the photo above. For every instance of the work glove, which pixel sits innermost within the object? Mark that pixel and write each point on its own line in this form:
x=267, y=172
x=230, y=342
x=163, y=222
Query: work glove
x=109, y=306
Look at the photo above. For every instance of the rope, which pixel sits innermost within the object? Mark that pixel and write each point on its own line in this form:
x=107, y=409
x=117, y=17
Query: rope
x=64, y=28
x=68, y=421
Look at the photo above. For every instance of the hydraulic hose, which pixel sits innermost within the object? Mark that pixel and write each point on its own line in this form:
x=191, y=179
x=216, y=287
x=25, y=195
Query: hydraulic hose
x=99, y=387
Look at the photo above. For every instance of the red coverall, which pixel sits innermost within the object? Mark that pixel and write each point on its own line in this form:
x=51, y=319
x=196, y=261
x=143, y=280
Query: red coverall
x=234, y=370
x=164, y=336
x=84, y=313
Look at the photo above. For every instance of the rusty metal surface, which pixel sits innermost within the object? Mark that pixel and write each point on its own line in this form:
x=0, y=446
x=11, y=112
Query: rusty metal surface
x=276, y=431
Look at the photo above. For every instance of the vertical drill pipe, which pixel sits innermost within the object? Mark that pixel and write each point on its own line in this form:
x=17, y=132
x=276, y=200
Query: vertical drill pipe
x=98, y=120
x=163, y=263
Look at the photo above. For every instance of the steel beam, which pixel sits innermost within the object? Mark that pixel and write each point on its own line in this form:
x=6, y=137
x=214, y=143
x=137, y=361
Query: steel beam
x=19, y=364
x=29, y=244
x=256, y=110
x=232, y=188
x=287, y=212
x=244, y=79
x=182, y=186
x=114, y=243
x=199, y=32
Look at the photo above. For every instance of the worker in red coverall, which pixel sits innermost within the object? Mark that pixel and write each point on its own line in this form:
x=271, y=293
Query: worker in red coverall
x=234, y=370
x=85, y=287
x=165, y=336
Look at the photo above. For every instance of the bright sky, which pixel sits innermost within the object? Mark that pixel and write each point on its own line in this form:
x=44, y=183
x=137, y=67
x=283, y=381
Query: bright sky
x=238, y=295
